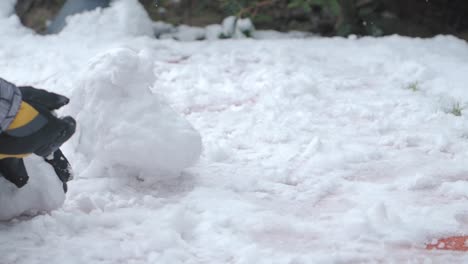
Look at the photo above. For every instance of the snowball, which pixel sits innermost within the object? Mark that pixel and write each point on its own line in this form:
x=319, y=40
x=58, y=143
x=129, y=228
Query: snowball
x=245, y=25
x=229, y=26
x=122, y=125
x=237, y=28
x=213, y=32
x=43, y=192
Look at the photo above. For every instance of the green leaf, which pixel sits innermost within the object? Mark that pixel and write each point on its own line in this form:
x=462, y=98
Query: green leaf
x=344, y=30
x=318, y=2
x=296, y=4
x=366, y=11
x=335, y=7
x=457, y=110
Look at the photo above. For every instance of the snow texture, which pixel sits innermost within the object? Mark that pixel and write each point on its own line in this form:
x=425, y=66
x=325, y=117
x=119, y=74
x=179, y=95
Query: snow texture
x=318, y=150
x=229, y=28
x=73, y=7
x=7, y=8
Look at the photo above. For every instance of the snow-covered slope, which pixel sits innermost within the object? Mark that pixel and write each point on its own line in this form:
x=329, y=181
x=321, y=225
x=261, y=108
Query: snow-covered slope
x=315, y=150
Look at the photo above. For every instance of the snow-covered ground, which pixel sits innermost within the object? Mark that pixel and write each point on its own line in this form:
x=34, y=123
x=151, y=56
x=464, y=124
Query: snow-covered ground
x=314, y=150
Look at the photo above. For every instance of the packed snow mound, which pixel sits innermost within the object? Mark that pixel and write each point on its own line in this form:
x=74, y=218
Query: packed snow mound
x=43, y=192
x=124, y=18
x=123, y=125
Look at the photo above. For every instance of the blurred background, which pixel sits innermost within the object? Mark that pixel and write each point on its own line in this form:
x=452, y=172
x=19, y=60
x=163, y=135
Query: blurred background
x=415, y=18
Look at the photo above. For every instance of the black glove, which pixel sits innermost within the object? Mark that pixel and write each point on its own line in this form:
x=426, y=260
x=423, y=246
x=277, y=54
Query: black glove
x=14, y=171
x=42, y=98
x=45, y=102
x=59, y=130
x=42, y=134
x=62, y=167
